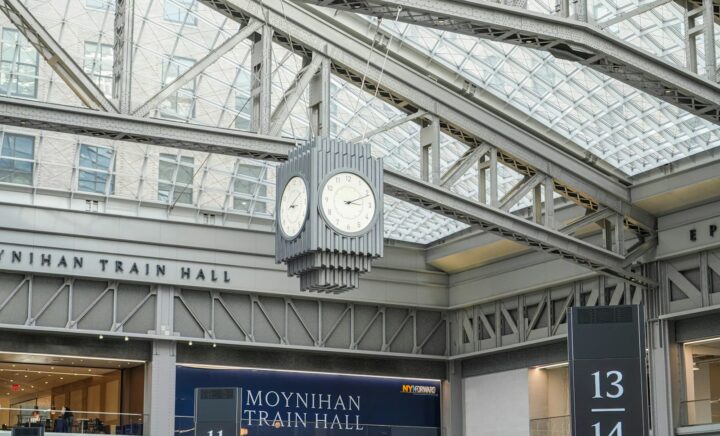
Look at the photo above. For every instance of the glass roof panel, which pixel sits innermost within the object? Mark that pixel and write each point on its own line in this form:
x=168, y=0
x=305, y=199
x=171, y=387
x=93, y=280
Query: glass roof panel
x=629, y=129
x=633, y=131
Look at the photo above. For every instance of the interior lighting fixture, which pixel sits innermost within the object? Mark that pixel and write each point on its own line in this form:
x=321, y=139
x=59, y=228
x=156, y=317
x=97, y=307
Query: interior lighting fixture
x=703, y=341
x=554, y=365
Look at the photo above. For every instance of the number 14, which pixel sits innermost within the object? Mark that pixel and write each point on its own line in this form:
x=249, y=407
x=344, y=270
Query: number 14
x=220, y=433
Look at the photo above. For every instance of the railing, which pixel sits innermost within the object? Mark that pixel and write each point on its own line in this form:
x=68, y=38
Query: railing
x=185, y=425
x=699, y=412
x=553, y=426
x=82, y=422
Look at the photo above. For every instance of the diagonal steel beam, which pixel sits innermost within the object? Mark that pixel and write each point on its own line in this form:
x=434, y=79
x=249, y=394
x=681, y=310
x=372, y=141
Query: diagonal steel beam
x=564, y=38
x=632, y=13
x=493, y=220
x=200, y=66
x=462, y=165
x=519, y=191
x=390, y=125
x=407, y=86
x=293, y=95
x=586, y=220
x=60, y=61
x=86, y=122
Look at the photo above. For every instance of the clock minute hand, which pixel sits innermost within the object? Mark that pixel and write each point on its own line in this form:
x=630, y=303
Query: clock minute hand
x=292, y=205
x=357, y=199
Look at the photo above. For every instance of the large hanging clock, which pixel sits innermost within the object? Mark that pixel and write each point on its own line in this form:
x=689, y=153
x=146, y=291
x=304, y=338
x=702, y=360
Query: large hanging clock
x=347, y=202
x=329, y=214
x=293, y=207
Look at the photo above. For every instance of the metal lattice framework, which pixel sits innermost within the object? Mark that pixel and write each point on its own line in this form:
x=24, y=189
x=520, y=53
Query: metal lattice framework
x=117, y=309
x=566, y=39
x=634, y=129
x=482, y=142
x=123, y=309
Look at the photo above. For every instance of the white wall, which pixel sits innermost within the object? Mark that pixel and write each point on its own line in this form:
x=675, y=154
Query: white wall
x=497, y=404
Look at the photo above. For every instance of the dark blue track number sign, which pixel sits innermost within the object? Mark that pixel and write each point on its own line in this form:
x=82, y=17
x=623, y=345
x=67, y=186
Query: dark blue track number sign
x=607, y=372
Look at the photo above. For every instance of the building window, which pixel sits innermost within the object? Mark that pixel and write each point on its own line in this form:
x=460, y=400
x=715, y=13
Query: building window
x=243, y=102
x=250, y=189
x=17, y=159
x=95, y=169
x=181, y=11
x=18, y=65
x=549, y=392
x=701, y=396
x=175, y=181
x=98, y=64
x=182, y=103
x=100, y=4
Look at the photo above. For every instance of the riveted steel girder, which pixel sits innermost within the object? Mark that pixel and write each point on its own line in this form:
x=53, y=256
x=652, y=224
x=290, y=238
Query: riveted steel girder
x=85, y=122
x=463, y=117
x=564, y=38
x=507, y=225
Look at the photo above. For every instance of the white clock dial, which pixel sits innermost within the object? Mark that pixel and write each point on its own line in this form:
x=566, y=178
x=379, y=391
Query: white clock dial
x=293, y=207
x=348, y=203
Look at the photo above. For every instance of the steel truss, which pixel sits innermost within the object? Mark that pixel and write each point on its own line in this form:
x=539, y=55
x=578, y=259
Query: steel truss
x=492, y=139
x=566, y=39
x=349, y=60
x=690, y=284
x=111, y=308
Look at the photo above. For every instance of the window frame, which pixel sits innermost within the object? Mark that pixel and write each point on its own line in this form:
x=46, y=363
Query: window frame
x=177, y=160
x=97, y=64
x=109, y=188
x=108, y=5
x=191, y=18
x=16, y=65
x=13, y=158
x=190, y=87
x=261, y=187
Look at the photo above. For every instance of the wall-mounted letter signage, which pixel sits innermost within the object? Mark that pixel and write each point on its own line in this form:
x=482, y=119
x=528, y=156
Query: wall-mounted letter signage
x=606, y=348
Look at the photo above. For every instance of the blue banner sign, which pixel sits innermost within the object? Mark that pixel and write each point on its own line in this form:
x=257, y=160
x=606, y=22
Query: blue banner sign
x=303, y=404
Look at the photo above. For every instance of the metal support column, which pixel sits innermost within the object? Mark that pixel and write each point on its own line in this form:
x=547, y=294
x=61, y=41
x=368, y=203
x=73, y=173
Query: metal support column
x=320, y=97
x=549, y=203
x=453, y=401
x=562, y=7
x=160, y=390
x=261, y=64
x=430, y=147
x=581, y=10
x=160, y=372
x=691, y=32
x=709, y=40
x=661, y=355
x=123, y=49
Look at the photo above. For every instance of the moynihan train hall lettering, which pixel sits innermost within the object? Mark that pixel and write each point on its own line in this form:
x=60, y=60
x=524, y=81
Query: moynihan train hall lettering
x=109, y=265
x=328, y=411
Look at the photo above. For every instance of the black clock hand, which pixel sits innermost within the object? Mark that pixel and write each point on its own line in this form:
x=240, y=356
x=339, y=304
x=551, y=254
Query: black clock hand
x=292, y=205
x=357, y=199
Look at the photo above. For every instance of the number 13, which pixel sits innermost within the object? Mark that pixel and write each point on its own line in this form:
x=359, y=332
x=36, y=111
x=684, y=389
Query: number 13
x=617, y=384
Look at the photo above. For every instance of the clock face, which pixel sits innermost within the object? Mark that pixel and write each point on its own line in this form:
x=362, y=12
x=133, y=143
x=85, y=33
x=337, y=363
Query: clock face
x=293, y=207
x=348, y=203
